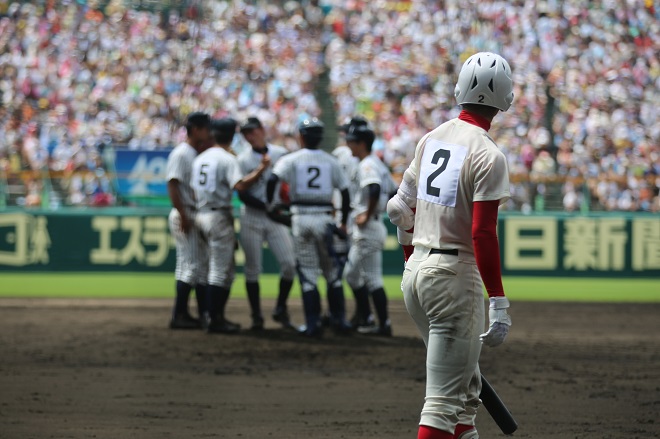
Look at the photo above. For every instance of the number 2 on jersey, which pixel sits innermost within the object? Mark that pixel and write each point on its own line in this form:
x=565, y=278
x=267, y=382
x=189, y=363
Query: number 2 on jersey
x=443, y=154
x=314, y=172
x=313, y=178
x=440, y=171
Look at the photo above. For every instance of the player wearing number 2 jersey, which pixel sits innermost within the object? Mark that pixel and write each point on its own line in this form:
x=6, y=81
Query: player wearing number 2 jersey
x=215, y=175
x=450, y=194
x=312, y=176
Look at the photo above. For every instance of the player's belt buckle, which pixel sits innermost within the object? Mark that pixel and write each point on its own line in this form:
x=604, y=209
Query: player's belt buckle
x=442, y=251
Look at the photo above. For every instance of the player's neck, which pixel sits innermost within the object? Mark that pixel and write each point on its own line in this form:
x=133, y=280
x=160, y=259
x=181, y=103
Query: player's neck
x=476, y=118
x=361, y=155
x=260, y=149
x=192, y=143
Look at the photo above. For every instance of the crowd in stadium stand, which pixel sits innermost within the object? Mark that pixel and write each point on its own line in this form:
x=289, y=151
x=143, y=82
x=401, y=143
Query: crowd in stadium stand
x=586, y=73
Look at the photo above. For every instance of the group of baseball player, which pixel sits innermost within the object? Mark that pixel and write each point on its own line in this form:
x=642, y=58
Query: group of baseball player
x=287, y=202
x=445, y=210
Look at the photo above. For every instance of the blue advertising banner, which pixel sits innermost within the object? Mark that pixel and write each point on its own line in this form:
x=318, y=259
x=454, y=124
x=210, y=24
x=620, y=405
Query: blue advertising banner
x=140, y=172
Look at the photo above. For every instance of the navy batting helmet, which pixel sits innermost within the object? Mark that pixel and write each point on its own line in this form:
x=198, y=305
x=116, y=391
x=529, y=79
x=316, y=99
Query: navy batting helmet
x=311, y=131
x=223, y=130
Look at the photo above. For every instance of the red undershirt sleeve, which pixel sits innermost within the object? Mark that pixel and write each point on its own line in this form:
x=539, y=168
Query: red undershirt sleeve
x=486, y=246
x=409, y=249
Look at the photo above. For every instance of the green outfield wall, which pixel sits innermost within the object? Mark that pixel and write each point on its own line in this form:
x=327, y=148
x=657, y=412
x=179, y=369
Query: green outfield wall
x=122, y=239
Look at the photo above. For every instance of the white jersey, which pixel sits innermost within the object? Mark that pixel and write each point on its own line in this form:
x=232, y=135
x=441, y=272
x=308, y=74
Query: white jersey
x=349, y=164
x=249, y=160
x=215, y=172
x=179, y=166
x=371, y=170
x=312, y=175
x=454, y=165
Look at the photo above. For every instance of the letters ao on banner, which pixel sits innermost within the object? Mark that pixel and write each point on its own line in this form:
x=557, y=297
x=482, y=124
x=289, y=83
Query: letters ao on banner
x=141, y=172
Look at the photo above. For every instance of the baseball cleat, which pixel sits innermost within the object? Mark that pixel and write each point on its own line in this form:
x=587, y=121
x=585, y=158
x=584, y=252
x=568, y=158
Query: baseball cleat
x=385, y=331
x=222, y=326
x=185, y=321
x=310, y=332
x=341, y=327
x=257, y=324
x=281, y=316
x=357, y=321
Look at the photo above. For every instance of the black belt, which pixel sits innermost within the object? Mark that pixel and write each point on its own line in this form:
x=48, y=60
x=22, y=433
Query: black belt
x=442, y=251
x=310, y=204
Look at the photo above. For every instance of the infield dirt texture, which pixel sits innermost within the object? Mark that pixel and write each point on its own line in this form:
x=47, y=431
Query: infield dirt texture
x=81, y=368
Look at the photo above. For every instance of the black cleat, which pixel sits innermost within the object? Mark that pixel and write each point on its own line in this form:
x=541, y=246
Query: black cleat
x=310, y=332
x=358, y=321
x=383, y=331
x=341, y=327
x=257, y=324
x=185, y=321
x=281, y=316
x=222, y=326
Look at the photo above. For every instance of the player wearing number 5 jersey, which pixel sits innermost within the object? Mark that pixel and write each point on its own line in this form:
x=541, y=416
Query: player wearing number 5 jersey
x=312, y=176
x=215, y=175
x=446, y=207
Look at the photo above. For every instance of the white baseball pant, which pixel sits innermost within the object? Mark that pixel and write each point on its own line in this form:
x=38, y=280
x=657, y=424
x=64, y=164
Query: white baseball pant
x=444, y=296
x=217, y=227
x=256, y=228
x=365, y=257
x=310, y=233
x=191, y=263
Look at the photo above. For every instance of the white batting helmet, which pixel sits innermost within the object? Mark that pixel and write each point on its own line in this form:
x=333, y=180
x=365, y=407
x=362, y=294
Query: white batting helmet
x=485, y=79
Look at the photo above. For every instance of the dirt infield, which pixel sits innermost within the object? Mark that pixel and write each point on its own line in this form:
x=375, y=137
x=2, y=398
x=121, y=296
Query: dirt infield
x=110, y=369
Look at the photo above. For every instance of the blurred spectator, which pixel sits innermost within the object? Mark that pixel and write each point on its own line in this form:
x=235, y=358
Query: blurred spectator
x=586, y=79
x=73, y=78
x=586, y=74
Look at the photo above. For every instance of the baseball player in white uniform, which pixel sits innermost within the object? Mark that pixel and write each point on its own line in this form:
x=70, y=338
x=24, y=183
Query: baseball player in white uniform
x=215, y=175
x=257, y=227
x=364, y=270
x=446, y=207
x=349, y=164
x=189, y=261
x=312, y=176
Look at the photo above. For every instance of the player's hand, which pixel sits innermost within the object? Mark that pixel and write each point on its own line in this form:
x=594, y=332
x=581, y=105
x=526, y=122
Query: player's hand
x=265, y=161
x=342, y=228
x=499, y=322
x=361, y=219
x=186, y=224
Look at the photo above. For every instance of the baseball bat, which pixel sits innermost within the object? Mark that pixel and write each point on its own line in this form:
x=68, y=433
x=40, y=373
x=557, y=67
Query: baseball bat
x=498, y=411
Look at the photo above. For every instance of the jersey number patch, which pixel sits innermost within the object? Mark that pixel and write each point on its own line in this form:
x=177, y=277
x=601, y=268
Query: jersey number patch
x=204, y=176
x=313, y=179
x=440, y=172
